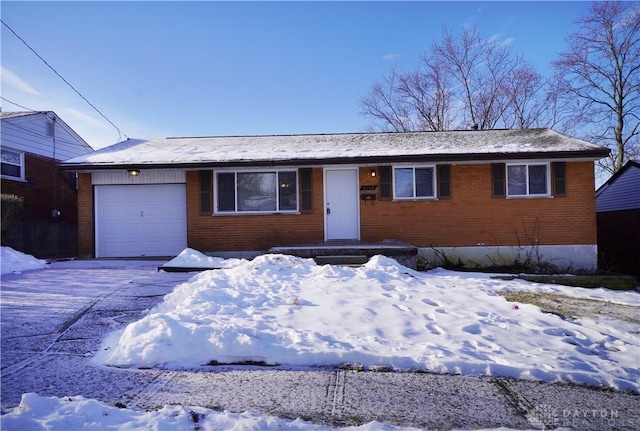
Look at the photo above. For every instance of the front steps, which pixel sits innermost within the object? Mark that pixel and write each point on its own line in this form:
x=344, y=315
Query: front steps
x=352, y=253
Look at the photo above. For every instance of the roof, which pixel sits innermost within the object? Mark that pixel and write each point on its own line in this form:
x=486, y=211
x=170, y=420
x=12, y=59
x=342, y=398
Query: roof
x=280, y=150
x=19, y=132
x=13, y=114
x=620, y=192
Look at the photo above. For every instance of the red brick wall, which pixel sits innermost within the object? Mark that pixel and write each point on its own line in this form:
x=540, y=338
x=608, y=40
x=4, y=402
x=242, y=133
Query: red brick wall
x=38, y=191
x=86, y=231
x=472, y=216
x=251, y=232
x=469, y=217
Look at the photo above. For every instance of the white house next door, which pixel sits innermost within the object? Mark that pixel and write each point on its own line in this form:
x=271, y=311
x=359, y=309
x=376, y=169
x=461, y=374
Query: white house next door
x=341, y=204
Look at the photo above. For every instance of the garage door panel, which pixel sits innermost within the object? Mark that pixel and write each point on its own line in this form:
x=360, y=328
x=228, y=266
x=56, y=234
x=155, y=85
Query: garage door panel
x=140, y=220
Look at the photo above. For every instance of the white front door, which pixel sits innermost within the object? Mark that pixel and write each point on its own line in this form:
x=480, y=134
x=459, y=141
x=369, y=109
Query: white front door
x=341, y=204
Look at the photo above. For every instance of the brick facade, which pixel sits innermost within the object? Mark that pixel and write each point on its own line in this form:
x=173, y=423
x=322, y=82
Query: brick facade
x=471, y=216
x=252, y=232
x=86, y=226
x=39, y=193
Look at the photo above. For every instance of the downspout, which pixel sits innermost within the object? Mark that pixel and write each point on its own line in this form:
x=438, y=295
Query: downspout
x=54, y=212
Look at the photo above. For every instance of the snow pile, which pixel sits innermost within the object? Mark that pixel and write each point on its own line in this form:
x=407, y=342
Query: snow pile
x=285, y=310
x=79, y=413
x=13, y=261
x=190, y=258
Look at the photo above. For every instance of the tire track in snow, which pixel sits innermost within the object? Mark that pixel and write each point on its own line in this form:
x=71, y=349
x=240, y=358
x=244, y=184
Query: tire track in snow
x=146, y=395
x=62, y=330
x=524, y=406
x=335, y=394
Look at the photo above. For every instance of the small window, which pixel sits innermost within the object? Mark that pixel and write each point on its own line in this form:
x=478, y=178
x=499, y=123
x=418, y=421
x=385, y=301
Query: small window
x=414, y=182
x=226, y=188
x=528, y=179
x=264, y=191
x=50, y=129
x=12, y=164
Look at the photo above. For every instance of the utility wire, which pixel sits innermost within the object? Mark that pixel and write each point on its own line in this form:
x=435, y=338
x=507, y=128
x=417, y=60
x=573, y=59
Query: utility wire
x=120, y=134
x=14, y=103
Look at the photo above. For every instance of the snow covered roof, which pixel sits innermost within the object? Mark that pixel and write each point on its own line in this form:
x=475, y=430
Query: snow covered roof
x=449, y=146
x=12, y=114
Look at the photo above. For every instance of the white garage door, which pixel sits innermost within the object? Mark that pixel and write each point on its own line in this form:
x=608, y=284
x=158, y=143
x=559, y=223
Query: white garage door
x=141, y=220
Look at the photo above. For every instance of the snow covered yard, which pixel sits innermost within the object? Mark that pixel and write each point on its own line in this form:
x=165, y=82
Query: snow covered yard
x=290, y=311
x=279, y=309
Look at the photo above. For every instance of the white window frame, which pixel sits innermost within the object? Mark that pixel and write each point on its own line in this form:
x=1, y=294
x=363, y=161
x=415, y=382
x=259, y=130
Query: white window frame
x=414, y=196
x=254, y=171
x=20, y=165
x=527, y=193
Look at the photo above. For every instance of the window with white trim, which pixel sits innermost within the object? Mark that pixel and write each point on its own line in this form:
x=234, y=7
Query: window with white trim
x=528, y=179
x=12, y=164
x=414, y=182
x=256, y=191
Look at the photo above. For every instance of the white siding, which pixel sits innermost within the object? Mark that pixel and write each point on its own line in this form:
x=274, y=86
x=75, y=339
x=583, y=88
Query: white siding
x=621, y=194
x=153, y=176
x=28, y=133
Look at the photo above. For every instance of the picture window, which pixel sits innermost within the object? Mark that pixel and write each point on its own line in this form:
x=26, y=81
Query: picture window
x=257, y=191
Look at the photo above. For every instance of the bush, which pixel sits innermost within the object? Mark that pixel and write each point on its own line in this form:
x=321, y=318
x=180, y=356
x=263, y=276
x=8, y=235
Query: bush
x=11, y=209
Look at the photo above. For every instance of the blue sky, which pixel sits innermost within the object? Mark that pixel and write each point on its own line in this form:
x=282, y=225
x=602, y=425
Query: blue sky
x=240, y=68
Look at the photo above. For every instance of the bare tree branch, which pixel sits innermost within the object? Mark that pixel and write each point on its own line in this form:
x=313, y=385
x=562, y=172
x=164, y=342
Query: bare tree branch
x=600, y=71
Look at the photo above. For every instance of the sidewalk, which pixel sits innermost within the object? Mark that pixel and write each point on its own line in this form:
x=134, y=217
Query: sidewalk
x=53, y=320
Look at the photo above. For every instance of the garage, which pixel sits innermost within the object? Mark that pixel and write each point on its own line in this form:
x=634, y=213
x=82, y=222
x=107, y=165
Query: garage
x=140, y=220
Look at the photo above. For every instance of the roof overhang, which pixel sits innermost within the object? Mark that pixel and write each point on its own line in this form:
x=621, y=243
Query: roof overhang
x=373, y=160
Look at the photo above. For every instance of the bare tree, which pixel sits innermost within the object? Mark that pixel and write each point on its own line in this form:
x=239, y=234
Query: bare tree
x=459, y=82
x=599, y=79
x=527, y=104
x=483, y=70
x=386, y=106
x=428, y=93
x=410, y=101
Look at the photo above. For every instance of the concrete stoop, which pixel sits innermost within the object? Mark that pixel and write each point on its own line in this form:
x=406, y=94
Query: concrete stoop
x=352, y=253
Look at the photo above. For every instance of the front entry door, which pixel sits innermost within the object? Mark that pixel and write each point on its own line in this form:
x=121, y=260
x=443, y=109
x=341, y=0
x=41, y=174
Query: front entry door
x=341, y=204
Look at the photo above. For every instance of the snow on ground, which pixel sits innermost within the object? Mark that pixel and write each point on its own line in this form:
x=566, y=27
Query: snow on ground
x=279, y=309
x=190, y=258
x=12, y=261
x=286, y=310
x=79, y=414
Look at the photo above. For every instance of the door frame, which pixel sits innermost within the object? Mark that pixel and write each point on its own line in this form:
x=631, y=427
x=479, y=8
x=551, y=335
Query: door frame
x=356, y=198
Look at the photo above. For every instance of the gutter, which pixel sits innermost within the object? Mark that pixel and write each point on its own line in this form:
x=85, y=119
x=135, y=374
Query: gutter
x=370, y=160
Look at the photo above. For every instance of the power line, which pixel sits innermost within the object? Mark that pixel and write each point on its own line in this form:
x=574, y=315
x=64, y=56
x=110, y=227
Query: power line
x=120, y=134
x=14, y=103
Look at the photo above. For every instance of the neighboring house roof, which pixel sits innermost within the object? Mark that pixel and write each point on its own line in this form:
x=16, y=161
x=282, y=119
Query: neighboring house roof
x=621, y=191
x=26, y=131
x=4, y=114
x=344, y=148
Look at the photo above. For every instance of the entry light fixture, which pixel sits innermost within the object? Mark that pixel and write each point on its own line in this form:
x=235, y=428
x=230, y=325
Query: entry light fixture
x=134, y=172
x=372, y=173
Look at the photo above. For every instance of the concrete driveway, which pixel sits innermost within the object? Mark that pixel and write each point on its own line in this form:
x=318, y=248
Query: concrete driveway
x=53, y=321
